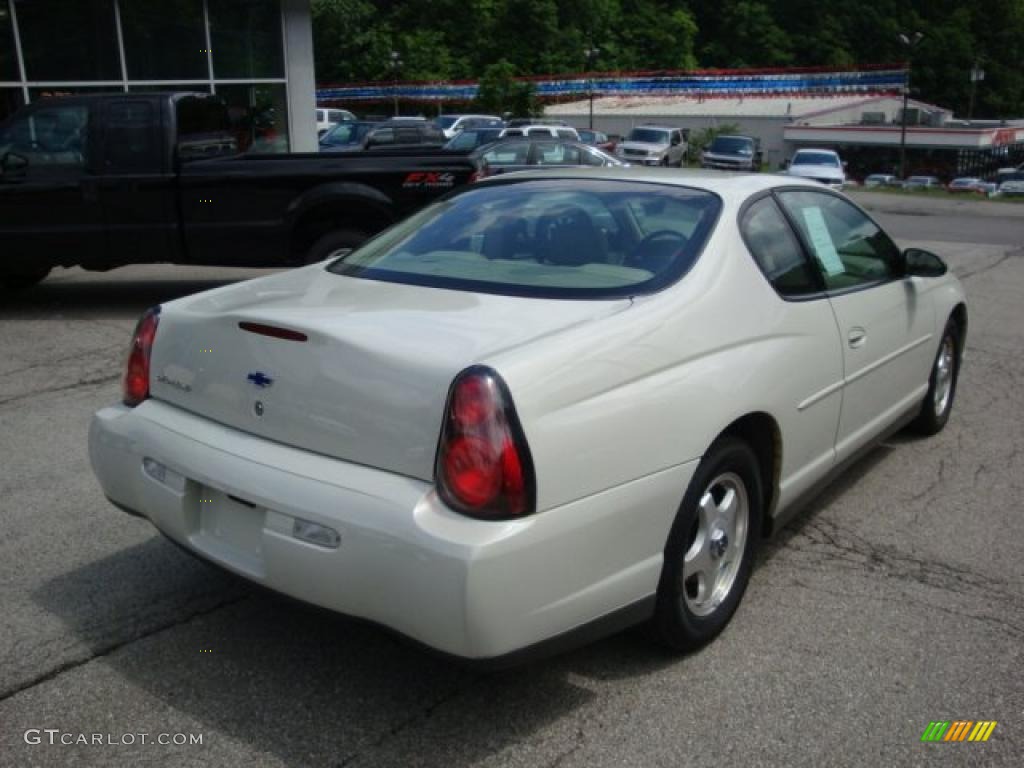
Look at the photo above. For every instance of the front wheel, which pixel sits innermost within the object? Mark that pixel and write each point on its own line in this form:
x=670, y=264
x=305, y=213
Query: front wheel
x=710, y=551
x=938, y=403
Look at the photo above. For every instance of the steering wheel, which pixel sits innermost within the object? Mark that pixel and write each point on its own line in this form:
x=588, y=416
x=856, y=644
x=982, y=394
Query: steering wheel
x=657, y=250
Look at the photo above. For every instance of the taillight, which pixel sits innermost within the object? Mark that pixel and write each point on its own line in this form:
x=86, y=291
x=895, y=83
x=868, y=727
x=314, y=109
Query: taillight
x=135, y=385
x=483, y=466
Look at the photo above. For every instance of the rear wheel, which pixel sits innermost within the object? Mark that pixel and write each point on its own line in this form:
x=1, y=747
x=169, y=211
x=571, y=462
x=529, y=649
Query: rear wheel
x=335, y=243
x=938, y=403
x=710, y=551
x=19, y=277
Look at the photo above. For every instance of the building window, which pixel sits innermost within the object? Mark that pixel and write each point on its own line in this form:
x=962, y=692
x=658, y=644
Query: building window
x=164, y=40
x=69, y=40
x=11, y=100
x=8, y=55
x=259, y=115
x=246, y=39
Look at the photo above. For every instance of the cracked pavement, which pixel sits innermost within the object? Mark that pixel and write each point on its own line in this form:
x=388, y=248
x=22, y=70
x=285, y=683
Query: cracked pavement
x=894, y=599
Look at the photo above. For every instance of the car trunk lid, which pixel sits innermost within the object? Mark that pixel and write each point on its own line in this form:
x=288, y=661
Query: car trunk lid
x=352, y=368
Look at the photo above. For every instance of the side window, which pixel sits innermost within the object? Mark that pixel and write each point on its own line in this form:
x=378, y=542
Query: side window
x=558, y=154
x=508, y=154
x=538, y=132
x=383, y=136
x=565, y=133
x=848, y=248
x=776, y=250
x=590, y=158
x=48, y=136
x=131, y=142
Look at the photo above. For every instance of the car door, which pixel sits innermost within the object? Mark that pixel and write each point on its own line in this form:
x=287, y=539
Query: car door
x=136, y=186
x=807, y=346
x=50, y=205
x=886, y=322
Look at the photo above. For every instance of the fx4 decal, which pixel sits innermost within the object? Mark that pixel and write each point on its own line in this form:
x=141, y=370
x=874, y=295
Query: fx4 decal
x=429, y=179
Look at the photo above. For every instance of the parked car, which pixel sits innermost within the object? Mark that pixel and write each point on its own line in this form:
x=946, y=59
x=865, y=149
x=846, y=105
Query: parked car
x=346, y=137
x=520, y=154
x=404, y=132
x=519, y=122
x=327, y=118
x=135, y=178
x=451, y=125
x=653, y=145
x=821, y=165
x=967, y=184
x=471, y=138
x=550, y=406
x=1012, y=188
x=732, y=153
x=922, y=183
x=597, y=139
x=541, y=131
x=880, y=180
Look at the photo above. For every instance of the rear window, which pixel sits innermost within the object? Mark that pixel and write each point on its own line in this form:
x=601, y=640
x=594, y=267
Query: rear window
x=815, y=158
x=732, y=145
x=556, y=238
x=648, y=136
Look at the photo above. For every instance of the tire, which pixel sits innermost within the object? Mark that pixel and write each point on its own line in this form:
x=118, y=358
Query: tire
x=938, y=402
x=664, y=162
x=689, y=613
x=23, y=276
x=333, y=243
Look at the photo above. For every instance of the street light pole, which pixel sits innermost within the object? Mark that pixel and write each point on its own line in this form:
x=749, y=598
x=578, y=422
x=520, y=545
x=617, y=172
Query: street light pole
x=977, y=74
x=395, y=62
x=910, y=43
x=590, y=52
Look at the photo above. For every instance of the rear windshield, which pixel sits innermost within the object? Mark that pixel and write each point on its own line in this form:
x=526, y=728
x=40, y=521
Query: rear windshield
x=556, y=238
x=732, y=145
x=648, y=136
x=815, y=158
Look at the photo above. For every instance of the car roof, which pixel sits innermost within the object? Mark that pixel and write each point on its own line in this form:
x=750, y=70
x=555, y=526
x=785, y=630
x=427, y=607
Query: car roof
x=726, y=184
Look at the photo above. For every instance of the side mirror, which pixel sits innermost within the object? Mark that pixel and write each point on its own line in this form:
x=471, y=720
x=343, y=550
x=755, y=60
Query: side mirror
x=921, y=263
x=13, y=165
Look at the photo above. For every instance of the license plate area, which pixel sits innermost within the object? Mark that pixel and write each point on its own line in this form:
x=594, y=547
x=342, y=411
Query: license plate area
x=228, y=529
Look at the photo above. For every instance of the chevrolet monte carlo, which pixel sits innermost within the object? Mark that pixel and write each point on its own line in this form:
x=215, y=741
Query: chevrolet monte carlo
x=548, y=406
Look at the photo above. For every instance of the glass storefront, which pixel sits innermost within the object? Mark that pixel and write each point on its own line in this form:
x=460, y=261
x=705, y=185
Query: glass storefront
x=8, y=55
x=164, y=40
x=11, y=99
x=259, y=116
x=234, y=48
x=246, y=39
x=68, y=40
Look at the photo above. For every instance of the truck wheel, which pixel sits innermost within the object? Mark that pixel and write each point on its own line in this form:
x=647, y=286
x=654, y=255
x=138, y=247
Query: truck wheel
x=335, y=243
x=22, y=276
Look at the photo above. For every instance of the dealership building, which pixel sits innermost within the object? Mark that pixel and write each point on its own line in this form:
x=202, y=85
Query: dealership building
x=256, y=54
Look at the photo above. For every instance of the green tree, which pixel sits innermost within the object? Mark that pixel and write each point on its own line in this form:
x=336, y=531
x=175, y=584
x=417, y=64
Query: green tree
x=500, y=93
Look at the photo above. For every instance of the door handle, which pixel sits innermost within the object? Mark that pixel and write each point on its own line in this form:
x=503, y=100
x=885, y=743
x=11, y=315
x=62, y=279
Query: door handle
x=857, y=337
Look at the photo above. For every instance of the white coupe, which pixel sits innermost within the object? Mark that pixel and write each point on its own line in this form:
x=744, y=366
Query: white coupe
x=548, y=406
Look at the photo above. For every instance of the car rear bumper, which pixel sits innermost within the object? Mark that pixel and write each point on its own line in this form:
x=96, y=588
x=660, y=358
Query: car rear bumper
x=466, y=587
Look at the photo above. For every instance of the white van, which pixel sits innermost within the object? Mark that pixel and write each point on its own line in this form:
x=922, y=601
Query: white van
x=325, y=118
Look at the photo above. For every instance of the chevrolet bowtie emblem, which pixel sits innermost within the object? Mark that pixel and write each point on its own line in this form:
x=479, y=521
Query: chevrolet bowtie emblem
x=260, y=379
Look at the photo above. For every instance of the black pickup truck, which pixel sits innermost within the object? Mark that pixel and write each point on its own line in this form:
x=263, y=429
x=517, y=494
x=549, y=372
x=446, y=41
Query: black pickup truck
x=107, y=180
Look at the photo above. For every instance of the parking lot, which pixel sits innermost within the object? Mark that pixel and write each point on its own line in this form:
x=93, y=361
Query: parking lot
x=896, y=599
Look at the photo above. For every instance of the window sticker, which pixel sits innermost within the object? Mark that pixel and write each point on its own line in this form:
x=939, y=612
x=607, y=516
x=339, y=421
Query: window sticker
x=821, y=241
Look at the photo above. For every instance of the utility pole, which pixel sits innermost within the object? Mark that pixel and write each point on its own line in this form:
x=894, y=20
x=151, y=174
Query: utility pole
x=909, y=43
x=590, y=53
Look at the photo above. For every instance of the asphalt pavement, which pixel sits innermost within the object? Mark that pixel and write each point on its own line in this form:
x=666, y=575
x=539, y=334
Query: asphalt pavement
x=896, y=599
